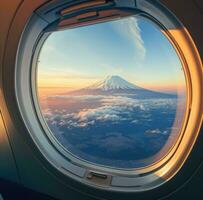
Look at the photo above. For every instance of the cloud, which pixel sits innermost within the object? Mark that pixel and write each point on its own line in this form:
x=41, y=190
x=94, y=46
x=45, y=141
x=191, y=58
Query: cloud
x=111, y=109
x=103, y=113
x=122, y=101
x=129, y=28
x=153, y=132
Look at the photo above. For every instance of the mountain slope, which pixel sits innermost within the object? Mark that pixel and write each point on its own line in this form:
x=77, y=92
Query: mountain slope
x=116, y=85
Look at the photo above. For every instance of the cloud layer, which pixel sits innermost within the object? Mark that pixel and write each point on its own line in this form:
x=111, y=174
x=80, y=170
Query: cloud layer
x=112, y=130
x=111, y=109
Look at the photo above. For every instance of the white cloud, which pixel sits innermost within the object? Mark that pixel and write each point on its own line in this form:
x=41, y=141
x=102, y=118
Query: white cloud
x=130, y=29
x=113, y=109
x=103, y=113
x=153, y=132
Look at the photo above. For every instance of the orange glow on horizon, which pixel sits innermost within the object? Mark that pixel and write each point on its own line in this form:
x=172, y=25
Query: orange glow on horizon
x=46, y=91
x=59, y=85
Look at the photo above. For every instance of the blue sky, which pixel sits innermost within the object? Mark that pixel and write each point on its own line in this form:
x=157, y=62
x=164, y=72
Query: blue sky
x=132, y=48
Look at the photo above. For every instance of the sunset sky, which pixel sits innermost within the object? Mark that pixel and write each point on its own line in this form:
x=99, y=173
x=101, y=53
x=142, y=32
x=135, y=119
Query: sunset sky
x=133, y=49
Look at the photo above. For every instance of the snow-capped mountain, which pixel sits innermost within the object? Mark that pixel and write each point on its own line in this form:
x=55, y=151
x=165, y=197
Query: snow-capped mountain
x=113, y=83
x=116, y=85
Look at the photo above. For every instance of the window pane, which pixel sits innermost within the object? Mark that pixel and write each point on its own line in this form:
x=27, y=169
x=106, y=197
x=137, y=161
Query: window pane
x=113, y=93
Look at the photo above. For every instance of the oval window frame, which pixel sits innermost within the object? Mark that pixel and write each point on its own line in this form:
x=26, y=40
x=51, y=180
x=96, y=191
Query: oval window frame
x=138, y=180
x=76, y=159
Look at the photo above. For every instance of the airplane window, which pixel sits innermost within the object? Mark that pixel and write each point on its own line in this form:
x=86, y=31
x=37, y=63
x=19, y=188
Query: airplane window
x=112, y=94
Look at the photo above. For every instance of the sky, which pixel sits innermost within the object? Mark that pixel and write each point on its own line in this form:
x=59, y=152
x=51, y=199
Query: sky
x=132, y=48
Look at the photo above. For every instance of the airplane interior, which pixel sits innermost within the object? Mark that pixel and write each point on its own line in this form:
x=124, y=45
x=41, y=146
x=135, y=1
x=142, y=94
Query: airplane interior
x=101, y=99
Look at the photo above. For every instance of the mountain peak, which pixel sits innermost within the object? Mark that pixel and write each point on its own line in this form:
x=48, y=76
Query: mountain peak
x=116, y=85
x=113, y=77
x=113, y=82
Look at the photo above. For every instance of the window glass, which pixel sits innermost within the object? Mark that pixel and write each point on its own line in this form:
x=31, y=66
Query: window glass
x=112, y=93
